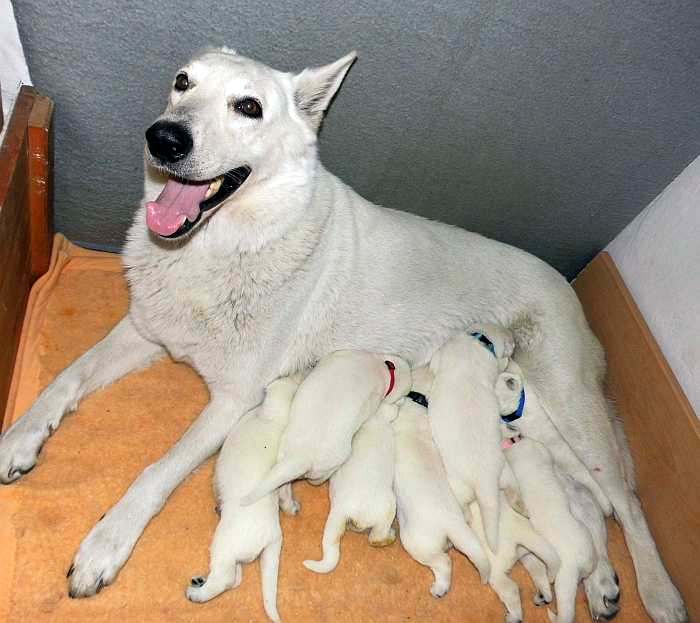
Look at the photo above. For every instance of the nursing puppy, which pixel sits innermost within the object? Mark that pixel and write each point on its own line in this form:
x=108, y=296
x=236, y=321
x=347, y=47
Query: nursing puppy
x=534, y=423
x=548, y=507
x=517, y=537
x=361, y=491
x=430, y=517
x=464, y=414
x=335, y=399
x=246, y=532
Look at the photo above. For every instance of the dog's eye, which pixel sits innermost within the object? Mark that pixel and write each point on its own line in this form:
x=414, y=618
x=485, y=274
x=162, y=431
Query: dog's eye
x=249, y=107
x=182, y=82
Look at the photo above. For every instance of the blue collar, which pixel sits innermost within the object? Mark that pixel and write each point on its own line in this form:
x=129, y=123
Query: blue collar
x=518, y=413
x=485, y=341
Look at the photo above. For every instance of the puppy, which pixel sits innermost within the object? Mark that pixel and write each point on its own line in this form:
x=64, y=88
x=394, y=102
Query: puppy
x=361, y=491
x=335, y=399
x=244, y=533
x=517, y=538
x=532, y=421
x=464, y=414
x=430, y=517
x=549, y=510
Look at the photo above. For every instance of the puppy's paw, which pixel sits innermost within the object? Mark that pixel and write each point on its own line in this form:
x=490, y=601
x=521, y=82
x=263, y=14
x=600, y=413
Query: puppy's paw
x=439, y=589
x=291, y=508
x=542, y=600
x=195, y=591
x=602, y=592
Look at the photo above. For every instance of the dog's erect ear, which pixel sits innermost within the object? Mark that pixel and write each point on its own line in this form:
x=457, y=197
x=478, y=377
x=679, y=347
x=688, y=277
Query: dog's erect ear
x=316, y=86
x=508, y=388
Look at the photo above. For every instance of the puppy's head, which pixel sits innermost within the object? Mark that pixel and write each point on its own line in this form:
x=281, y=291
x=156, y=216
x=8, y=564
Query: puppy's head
x=508, y=388
x=229, y=123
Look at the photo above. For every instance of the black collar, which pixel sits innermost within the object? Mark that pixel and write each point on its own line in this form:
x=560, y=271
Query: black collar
x=418, y=398
x=486, y=342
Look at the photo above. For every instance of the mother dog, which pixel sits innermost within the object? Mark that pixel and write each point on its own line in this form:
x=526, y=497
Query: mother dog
x=253, y=262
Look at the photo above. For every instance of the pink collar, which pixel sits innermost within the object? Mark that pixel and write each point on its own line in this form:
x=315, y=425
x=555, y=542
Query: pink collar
x=509, y=442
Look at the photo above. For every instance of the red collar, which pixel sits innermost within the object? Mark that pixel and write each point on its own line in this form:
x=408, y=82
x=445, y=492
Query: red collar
x=392, y=376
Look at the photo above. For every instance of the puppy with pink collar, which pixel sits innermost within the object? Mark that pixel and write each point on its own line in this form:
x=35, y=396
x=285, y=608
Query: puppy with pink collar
x=334, y=401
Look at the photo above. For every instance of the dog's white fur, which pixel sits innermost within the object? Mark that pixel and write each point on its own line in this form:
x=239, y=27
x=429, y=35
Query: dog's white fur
x=464, y=412
x=516, y=534
x=548, y=507
x=246, y=532
x=296, y=265
x=535, y=424
x=334, y=400
x=361, y=490
x=430, y=517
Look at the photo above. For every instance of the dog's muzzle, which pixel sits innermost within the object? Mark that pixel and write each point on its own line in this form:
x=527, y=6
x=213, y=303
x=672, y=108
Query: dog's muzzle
x=169, y=141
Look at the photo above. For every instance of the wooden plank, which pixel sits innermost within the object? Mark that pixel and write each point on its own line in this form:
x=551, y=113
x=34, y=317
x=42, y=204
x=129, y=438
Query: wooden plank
x=662, y=428
x=15, y=249
x=40, y=148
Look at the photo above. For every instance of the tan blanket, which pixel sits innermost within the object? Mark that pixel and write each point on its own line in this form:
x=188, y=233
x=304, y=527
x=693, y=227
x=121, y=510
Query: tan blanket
x=117, y=432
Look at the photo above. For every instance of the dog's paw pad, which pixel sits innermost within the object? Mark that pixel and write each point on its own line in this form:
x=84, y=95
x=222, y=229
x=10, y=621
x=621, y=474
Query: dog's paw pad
x=198, y=581
x=541, y=600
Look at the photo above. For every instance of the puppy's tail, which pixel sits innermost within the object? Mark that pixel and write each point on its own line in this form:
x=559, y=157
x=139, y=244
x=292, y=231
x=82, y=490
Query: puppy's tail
x=269, y=570
x=281, y=473
x=488, y=497
x=464, y=539
x=332, y=533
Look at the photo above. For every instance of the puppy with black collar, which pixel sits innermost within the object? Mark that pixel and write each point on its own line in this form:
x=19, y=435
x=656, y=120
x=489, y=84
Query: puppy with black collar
x=549, y=510
x=361, y=490
x=246, y=532
x=464, y=414
x=336, y=398
x=430, y=517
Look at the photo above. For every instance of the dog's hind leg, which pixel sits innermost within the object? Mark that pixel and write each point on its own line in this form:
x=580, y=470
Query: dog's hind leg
x=269, y=570
x=464, y=539
x=538, y=572
x=441, y=566
x=123, y=350
x=509, y=594
x=565, y=587
x=332, y=533
x=288, y=503
x=383, y=534
x=488, y=497
x=282, y=472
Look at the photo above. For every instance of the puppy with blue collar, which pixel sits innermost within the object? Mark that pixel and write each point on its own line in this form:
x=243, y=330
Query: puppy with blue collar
x=430, y=517
x=334, y=401
x=464, y=417
x=361, y=490
x=246, y=532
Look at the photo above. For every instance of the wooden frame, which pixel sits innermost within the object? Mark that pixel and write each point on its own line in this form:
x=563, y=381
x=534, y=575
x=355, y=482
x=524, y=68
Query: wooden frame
x=26, y=226
x=662, y=428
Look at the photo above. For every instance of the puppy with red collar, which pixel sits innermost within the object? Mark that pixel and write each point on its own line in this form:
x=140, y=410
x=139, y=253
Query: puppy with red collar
x=464, y=416
x=361, y=490
x=336, y=398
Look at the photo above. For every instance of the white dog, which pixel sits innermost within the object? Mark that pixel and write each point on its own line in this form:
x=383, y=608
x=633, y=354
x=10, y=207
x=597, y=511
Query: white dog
x=250, y=261
x=430, y=517
x=361, y=491
x=335, y=399
x=516, y=537
x=246, y=532
x=533, y=422
x=464, y=412
x=548, y=507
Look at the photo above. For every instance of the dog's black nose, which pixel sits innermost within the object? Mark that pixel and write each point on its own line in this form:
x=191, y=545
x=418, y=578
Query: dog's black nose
x=169, y=141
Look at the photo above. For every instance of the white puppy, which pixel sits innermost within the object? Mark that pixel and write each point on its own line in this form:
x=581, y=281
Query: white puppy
x=549, y=510
x=335, y=399
x=244, y=533
x=516, y=538
x=430, y=517
x=532, y=421
x=361, y=491
x=464, y=414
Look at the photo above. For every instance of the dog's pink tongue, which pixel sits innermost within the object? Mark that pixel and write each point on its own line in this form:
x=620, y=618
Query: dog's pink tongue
x=176, y=202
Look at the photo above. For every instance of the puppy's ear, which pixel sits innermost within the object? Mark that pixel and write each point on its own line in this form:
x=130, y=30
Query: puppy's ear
x=315, y=87
x=508, y=388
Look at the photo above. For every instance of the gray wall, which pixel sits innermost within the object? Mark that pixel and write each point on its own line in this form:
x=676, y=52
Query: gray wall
x=547, y=124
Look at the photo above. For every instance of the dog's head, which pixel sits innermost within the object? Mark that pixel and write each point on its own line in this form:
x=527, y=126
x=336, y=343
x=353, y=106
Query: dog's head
x=230, y=122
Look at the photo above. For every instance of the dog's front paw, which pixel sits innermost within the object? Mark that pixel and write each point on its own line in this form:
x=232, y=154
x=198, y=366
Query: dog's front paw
x=603, y=592
x=100, y=556
x=19, y=449
x=663, y=602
